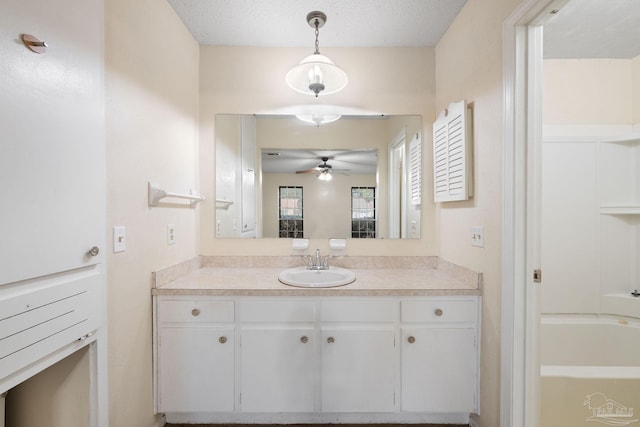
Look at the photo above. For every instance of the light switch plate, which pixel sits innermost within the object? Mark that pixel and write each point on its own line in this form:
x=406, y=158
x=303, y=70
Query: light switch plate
x=477, y=236
x=171, y=234
x=119, y=239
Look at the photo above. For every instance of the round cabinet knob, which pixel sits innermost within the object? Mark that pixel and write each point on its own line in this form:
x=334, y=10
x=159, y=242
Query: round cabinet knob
x=94, y=251
x=330, y=340
x=222, y=340
x=304, y=339
x=195, y=312
x=411, y=339
x=438, y=312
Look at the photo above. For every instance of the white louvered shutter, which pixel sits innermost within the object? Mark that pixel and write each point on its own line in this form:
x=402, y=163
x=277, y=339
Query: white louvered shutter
x=452, y=154
x=415, y=164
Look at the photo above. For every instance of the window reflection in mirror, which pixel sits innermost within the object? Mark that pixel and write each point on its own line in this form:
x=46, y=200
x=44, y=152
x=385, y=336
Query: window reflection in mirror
x=258, y=155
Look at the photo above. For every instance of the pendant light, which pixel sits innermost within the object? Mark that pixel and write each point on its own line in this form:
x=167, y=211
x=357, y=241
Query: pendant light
x=316, y=74
x=319, y=118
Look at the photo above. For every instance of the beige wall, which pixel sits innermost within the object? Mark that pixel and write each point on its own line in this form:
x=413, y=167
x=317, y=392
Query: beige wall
x=588, y=91
x=403, y=83
x=469, y=66
x=327, y=205
x=60, y=392
x=151, y=114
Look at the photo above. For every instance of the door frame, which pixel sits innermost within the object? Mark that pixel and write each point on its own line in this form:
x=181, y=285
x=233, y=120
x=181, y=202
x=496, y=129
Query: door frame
x=398, y=199
x=522, y=142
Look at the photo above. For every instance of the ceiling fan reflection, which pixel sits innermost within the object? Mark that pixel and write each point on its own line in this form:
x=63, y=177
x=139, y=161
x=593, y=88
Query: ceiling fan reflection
x=324, y=170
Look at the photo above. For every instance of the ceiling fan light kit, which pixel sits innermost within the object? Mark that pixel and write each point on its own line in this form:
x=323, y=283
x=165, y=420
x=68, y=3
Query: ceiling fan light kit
x=317, y=74
x=323, y=170
x=325, y=175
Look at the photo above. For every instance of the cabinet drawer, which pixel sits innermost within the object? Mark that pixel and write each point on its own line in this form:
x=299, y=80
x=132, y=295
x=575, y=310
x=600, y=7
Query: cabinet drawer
x=275, y=311
x=195, y=311
x=439, y=311
x=357, y=311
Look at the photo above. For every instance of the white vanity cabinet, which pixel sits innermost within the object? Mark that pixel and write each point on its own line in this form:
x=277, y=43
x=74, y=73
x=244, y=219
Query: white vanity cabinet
x=194, y=352
x=322, y=359
x=357, y=342
x=277, y=355
x=439, y=355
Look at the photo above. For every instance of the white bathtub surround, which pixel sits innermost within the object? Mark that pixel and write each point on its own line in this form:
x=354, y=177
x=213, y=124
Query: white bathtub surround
x=589, y=355
x=592, y=212
x=589, y=340
x=622, y=304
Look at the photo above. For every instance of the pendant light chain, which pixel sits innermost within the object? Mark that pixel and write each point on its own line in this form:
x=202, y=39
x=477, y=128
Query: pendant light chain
x=317, y=34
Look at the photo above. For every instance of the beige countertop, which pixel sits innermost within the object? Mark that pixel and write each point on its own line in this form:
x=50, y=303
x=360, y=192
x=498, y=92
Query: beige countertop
x=208, y=278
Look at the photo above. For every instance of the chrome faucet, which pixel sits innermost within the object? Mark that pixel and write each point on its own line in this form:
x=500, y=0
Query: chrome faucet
x=317, y=262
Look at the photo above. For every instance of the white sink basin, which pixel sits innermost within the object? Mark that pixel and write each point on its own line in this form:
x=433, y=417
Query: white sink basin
x=304, y=278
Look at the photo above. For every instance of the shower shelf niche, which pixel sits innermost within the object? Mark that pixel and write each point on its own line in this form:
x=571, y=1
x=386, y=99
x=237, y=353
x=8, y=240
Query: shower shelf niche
x=619, y=174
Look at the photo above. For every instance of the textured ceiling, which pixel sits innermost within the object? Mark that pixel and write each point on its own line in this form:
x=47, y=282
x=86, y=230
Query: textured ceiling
x=350, y=23
x=581, y=29
x=594, y=29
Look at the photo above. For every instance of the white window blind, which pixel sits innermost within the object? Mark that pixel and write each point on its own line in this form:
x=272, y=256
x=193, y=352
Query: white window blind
x=452, y=154
x=415, y=172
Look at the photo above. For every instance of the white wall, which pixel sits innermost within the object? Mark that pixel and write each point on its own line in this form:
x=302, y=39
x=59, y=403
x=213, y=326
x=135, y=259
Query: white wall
x=152, y=113
x=469, y=66
x=402, y=84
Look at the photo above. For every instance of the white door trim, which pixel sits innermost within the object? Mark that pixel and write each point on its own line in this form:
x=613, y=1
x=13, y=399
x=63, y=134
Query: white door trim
x=397, y=179
x=522, y=129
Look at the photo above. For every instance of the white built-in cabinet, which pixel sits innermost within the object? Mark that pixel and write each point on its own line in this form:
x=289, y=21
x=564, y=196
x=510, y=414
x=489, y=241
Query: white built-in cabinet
x=206, y=329
x=447, y=364
x=236, y=179
x=326, y=359
x=357, y=340
x=52, y=182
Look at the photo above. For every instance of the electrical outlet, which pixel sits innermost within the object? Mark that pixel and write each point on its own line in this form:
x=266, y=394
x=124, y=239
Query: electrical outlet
x=477, y=236
x=119, y=239
x=171, y=234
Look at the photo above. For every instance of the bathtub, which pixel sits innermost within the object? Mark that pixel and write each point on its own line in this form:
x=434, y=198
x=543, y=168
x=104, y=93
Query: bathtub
x=590, y=371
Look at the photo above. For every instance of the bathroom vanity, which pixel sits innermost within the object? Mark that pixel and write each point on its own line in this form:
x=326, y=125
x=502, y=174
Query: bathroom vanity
x=400, y=344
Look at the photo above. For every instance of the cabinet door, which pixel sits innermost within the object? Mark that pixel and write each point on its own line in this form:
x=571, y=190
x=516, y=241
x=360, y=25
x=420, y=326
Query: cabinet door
x=52, y=169
x=438, y=369
x=278, y=369
x=195, y=369
x=358, y=370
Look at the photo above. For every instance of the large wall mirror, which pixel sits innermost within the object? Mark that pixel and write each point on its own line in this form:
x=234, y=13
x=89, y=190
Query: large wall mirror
x=282, y=177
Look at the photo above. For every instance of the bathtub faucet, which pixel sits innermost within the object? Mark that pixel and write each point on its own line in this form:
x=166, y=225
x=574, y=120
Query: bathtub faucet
x=635, y=293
